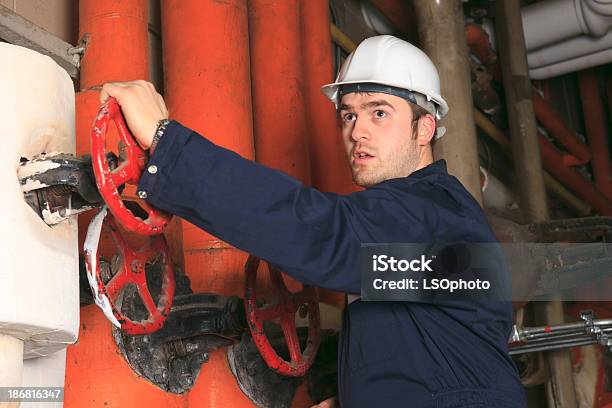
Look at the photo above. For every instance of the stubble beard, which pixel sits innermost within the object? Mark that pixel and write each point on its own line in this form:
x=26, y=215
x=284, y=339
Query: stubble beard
x=399, y=165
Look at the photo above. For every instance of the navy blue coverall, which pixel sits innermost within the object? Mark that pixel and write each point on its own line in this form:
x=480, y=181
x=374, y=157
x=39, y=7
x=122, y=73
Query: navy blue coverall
x=391, y=354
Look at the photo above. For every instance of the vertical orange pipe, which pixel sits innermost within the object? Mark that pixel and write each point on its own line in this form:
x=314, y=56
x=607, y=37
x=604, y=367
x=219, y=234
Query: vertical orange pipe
x=279, y=112
x=96, y=373
x=329, y=166
x=595, y=123
x=328, y=162
x=117, y=47
x=207, y=88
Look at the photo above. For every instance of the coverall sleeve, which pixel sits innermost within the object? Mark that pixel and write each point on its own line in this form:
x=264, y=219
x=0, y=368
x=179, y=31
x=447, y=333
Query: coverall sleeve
x=306, y=233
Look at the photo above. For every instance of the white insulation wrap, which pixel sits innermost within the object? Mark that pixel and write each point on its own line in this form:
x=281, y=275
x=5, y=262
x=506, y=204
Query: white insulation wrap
x=39, y=285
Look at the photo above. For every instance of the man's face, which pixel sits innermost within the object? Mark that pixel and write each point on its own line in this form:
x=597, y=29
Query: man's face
x=378, y=137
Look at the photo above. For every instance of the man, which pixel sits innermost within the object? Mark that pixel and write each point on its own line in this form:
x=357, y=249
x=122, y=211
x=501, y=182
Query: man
x=392, y=354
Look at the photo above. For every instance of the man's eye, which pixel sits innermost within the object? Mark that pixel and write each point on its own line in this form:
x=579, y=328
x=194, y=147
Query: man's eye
x=349, y=117
x=380, y=114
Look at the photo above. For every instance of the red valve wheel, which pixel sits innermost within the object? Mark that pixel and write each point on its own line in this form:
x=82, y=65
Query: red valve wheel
x=282, y=308
x=130, y=266
x=132, y=162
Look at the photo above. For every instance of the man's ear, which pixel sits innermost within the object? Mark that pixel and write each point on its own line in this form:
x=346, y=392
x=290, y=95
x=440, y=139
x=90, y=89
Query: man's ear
x=426, y=129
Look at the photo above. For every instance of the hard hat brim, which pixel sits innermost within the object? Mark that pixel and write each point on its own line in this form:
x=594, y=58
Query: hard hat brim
x=331, y=91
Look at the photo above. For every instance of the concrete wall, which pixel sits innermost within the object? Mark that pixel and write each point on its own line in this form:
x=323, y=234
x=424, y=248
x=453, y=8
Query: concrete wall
x=59, y=17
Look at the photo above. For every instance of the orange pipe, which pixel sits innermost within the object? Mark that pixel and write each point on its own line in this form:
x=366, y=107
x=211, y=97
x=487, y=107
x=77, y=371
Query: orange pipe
x=553, y=162
x=207, y=88
x=117, y=47
x=559, y=129
x=478, y=42
x=96, y=373
x=279, y=109
x=280, y=121
x=595, y=123
x=329, y=166
x=328, y=163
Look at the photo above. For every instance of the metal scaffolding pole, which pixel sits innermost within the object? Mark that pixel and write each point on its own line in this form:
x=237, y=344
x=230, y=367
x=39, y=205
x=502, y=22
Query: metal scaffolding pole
x=442, y=34
x=528, y=167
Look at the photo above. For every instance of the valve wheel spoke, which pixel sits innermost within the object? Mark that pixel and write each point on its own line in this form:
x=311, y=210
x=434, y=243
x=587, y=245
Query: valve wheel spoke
x=121, y=175
x=117, y=283
x=269, y=312
x=291, y=337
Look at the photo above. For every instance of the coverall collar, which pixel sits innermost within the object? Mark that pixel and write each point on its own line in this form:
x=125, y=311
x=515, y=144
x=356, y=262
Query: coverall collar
x=434, y=169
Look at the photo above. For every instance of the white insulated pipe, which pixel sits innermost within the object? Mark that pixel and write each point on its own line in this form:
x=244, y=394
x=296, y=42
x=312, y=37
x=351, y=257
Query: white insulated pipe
x=552, y=21
x=495, y=194
x=568, y=50
x=39, y=264
x=11, y=362
x=572, y=65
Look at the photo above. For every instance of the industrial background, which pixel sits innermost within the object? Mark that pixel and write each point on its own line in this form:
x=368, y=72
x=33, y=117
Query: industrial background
x=528, y=83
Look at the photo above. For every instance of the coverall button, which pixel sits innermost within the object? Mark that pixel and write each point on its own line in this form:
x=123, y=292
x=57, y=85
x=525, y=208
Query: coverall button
x=152, y=169
x=142, y=194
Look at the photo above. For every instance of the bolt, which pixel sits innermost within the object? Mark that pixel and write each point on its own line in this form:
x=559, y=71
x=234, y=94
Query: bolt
x=136, y=266
x=76, y=50
x=303, y=311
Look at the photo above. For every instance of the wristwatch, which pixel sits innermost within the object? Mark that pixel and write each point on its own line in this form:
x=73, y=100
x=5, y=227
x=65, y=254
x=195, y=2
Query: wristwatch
x=159, y=132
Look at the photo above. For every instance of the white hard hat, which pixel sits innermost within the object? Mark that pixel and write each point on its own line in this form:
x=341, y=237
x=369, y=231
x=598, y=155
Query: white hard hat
x=397, y=65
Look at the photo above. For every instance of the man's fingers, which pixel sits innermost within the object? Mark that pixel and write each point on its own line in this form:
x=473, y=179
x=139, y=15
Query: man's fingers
x=118, y=89
x=110, y=89
x=141, y=105
x=328, y=403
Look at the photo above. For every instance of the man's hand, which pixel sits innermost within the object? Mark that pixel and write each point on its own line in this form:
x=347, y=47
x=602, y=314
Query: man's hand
x=328, y=403
x=141, y=105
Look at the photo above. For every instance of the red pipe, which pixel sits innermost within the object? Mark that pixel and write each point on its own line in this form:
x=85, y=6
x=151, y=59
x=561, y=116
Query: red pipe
x=609, y=92
x=478, y=42
x=595, y=123
x=559, y=129
x=402, y=16
x=553, y=162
